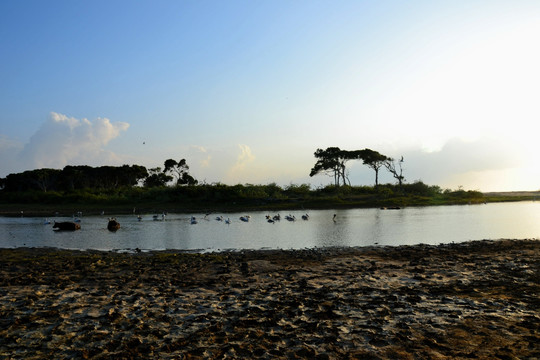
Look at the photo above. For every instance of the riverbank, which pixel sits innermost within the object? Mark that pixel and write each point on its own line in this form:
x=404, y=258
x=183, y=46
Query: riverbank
x=476, y=299
x=68, y=209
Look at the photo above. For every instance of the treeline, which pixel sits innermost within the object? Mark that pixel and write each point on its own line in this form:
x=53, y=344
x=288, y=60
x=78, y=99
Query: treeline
x=173, y=187
x=72, y=178
x=81, y=177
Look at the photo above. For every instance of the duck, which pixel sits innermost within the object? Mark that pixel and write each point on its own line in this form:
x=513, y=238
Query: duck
x=193, y=220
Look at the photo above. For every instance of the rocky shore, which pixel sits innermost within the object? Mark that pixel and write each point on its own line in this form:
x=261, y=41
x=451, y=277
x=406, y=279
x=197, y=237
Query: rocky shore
x=475, y=300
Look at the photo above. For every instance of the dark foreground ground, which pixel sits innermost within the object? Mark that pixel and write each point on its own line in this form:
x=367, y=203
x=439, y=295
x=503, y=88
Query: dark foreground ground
x=476, y=300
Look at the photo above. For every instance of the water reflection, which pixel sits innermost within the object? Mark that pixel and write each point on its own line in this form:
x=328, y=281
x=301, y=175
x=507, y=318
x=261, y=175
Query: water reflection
x=355, y=227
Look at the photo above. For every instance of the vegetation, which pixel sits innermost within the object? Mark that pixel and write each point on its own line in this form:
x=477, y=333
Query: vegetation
x=332, y=162
x=214, y=197
x=134, y=188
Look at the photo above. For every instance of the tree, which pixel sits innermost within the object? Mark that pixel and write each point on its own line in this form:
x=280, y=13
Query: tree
x=374, y=160
x=39, y=179
x=331, y=163
x=179, y=171
x=45, y=179
x=76, y=177
x=396, y=171
x=157, y=178
x=131, y=175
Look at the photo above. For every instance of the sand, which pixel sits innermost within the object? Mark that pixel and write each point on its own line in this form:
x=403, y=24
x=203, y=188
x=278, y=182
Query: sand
x=475, y=300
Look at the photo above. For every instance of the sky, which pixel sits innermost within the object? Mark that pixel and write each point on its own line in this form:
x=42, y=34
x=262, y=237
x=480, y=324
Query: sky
x=247, y=91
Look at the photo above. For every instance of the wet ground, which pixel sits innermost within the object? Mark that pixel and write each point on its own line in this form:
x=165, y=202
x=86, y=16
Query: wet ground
x=472, y=300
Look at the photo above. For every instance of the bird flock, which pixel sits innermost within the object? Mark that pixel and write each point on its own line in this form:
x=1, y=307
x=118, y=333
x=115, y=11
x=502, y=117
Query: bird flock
x=113, y=224
x=246, y=218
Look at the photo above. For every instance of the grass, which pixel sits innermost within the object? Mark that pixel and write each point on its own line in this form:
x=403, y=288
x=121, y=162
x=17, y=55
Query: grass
x=248, y=197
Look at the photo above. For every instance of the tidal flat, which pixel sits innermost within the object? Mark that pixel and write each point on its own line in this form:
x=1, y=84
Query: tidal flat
x=476, y=299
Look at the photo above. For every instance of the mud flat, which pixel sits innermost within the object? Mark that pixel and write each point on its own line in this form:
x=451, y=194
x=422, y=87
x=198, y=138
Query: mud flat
x=475, y=300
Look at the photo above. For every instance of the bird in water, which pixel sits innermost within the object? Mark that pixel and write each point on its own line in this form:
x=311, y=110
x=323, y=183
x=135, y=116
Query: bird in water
x=334, y=218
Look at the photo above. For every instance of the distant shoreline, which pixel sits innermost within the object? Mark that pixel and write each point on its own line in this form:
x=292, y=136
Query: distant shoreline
x=62, y=210
x=513, y=193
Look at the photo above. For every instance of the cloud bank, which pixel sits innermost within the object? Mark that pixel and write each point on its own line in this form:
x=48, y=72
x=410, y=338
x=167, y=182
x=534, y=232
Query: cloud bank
x=62, y=140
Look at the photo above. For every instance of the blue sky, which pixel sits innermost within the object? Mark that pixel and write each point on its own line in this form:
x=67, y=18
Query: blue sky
x=246, y=91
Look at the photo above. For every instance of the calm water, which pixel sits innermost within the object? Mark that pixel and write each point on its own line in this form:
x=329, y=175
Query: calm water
x=355, y=227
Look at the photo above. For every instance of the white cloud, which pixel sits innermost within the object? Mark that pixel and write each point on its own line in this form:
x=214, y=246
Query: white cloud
x=63, y=140
x=240, y=169
x=472, y=164
x=201, y=155
x=229, y=165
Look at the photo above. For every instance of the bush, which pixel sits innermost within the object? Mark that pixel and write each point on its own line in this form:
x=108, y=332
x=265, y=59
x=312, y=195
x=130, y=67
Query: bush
x=301, y=190
x=421, y=189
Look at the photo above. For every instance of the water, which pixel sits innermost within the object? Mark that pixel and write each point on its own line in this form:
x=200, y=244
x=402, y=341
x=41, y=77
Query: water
x=354, y=227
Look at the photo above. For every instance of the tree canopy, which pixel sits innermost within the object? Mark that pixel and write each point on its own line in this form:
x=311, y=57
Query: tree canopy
x=179, y=172
x=332, y=160
x=103, y=177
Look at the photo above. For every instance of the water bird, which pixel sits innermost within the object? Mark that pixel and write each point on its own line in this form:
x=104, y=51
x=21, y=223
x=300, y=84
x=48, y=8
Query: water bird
x=305, y=217
x=228, y=221
x=193, y=220
x=276, y=217
x=46, y=222
x=290, y=217
x=245, y=218
x=334, y=218
x=219, y=218
x=156, y=217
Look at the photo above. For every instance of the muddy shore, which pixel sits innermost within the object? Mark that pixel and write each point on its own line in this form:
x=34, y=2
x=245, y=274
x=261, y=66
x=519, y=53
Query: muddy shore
x=475, y=300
